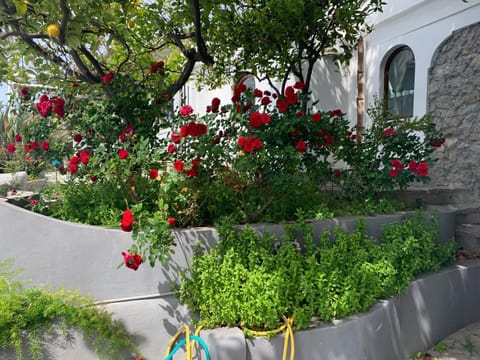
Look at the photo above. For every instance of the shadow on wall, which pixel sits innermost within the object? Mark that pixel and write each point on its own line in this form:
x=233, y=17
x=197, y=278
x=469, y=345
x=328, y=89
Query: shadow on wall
x=329, y=89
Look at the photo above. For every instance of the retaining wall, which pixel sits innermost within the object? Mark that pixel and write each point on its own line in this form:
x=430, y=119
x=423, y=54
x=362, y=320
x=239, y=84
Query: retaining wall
x=59, y=254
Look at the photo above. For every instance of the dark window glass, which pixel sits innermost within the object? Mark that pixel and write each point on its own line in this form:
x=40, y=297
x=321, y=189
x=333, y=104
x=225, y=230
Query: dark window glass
x=399, y=82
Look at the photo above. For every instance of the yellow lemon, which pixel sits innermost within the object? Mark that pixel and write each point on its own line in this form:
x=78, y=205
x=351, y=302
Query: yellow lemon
x=53, y=30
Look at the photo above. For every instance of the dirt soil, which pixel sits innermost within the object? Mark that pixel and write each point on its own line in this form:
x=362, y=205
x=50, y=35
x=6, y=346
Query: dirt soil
x=462, y=345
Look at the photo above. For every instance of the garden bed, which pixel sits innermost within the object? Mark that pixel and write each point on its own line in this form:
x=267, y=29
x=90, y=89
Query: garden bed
x=59, y=254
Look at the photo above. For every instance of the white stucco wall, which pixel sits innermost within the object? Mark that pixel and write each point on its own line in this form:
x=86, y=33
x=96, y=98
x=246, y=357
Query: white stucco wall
x=420, y=24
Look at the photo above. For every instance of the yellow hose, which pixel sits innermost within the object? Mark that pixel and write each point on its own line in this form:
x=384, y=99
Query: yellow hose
x=287, y=327
x=189, y=344
x=289, y=336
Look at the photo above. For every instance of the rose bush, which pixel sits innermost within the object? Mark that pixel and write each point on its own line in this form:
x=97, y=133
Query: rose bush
x=262, y=157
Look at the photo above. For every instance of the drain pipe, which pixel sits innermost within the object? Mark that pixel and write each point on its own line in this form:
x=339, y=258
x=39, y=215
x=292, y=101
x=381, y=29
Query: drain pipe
x=360, y=93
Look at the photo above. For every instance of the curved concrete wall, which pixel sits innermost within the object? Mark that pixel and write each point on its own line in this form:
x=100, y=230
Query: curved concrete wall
x=59, y=254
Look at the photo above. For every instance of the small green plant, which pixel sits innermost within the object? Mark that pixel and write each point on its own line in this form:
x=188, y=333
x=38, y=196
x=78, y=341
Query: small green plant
x=441, y=347
x=468, y=345
x=30, y=313
x=254, y=281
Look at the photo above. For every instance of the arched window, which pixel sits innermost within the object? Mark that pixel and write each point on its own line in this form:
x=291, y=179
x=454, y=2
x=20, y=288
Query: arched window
x=248, y=80
x=399, y=82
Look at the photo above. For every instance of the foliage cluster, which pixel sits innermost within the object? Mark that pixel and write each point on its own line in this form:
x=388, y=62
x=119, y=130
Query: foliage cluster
x=82, y=41
x=262, y=157
x=31, y=314
x=253, y=281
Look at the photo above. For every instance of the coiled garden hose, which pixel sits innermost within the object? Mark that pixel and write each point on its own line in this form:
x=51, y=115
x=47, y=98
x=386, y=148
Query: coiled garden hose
x=188, y=341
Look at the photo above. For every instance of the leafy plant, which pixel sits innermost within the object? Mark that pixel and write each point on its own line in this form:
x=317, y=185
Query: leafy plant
x=441, y=347
x=394, y=152
x=30, y=313
x=253, y=281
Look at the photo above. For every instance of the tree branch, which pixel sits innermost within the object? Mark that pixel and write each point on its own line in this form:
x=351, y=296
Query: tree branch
x=63, y=23
x=205, y=57
x=5, y=35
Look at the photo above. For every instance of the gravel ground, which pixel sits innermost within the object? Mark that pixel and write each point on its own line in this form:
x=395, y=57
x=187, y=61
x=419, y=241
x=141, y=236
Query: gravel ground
x=462, y=345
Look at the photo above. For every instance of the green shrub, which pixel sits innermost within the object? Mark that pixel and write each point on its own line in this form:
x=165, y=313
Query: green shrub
x=30, y=313
x=253, y=281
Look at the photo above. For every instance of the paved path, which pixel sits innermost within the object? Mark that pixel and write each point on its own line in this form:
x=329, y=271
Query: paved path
x=462, y=345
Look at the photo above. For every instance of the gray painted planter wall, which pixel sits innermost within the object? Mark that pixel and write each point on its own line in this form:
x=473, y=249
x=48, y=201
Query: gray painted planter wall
x=58, y=254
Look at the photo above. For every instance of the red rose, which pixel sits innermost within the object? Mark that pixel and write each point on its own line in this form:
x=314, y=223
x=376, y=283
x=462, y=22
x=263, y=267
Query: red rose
x=45, y=145
x=179, y=165
x=171, y=221
x=299, y=85
x=337, y=174
x=282, y=105
x=241, y=88
x=108, y=77
x=24, y=91
x=301, y=146
x=292, y=99
x=171, y=148
x=59, y=107
x=329, y=140
x=241, y=141
x=397, y=164
x=123, y=154
x=85, y=157
x=289, y=91
x=194, y=129
x=422, y=169
x=336, y=112
x=196, y=162
x=127, y=220
x=28, y=147
x=393, y=172
x=265, y=118
x=183, y=131
x=59, y=110
x=154, y=68
x=44, y=107
x=74, y=160
x=316, y=117
x=33, y=202
x=73, y=168
x=153, y=174
x=257, y=93
x=215, y=104
x=11, y=148
x=132, y=261
x=186, y=110
x=265, y=100
x=412, y=165
x=93, y=178
x=18, y=138
x=255, y=120
x=389, y=131
x=192, y=172
x=77, y=138
x=34, y=145
x=176, y=138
